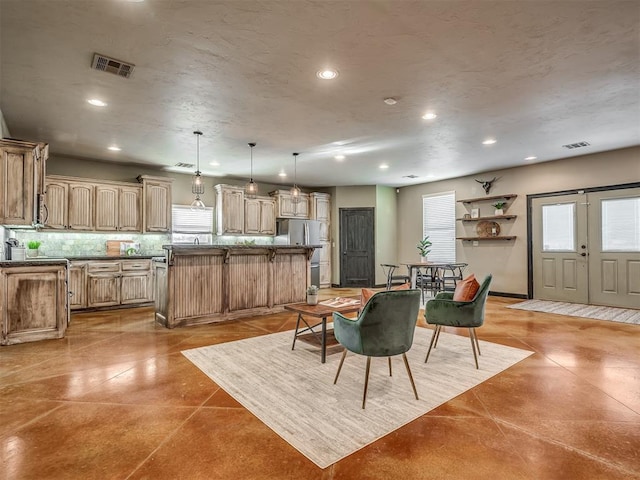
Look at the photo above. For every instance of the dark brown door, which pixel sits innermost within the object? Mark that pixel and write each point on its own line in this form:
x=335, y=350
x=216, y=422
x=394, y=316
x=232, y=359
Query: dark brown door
x=357, y=247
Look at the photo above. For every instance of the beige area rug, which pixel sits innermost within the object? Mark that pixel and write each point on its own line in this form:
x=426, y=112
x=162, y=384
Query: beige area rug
x=612, y=314
x=293, y=393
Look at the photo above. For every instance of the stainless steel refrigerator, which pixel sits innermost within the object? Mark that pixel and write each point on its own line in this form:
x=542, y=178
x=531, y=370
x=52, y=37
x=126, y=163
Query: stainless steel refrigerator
x=301, y=232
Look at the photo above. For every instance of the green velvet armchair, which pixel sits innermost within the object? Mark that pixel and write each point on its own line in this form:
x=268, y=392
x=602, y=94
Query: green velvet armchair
x=384, y=328
x=443, y=311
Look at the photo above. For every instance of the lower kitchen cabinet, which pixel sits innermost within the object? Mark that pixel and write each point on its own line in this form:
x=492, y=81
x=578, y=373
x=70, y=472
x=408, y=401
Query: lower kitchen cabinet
x=121, y=282
x=77, y=285
x=34, y=302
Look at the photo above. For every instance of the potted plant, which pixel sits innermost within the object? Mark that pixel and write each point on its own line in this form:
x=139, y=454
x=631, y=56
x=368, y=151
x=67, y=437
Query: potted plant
x=312, y=295
x=499, y=208
x=32, y=248
x=424, y=247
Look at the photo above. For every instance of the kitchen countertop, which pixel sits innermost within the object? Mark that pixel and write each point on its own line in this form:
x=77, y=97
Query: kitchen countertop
x=112, y=257
x=181, y=246
x=33, y=262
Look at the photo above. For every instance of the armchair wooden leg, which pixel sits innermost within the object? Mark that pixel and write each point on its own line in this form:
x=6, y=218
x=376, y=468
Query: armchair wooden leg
x=390, y=374
x=433, y=337
x=344, y=354
x=473, y=347
x=413, y=385
x=366, y=381
x=438, y=328
x=475, y=337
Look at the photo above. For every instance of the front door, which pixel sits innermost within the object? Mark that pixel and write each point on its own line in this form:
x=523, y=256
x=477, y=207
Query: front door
x=357, y=253
x=586, y=247
x=560, y=264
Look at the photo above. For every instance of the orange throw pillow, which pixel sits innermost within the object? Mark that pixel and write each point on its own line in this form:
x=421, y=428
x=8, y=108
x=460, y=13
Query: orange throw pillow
x=404, y=286
x=365, y=295
x=466, y=289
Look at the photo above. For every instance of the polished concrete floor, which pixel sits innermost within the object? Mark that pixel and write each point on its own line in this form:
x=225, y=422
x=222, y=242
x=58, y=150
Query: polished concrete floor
x=115, y=399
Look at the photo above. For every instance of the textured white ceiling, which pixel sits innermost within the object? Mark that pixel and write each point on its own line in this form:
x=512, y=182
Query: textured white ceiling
x=533, y=74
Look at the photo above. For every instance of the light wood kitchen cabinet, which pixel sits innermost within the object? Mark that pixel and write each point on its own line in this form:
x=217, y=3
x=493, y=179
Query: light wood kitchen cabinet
x=118, y=208
x=77, y=285
x=320, y=206
x=69, y=203
x=18, y=182
x=325, y=265
x=118, y=282
x=259, y=216
x=34, y=300
x=156, y=204
x=229, y=210
x=136, y=284
x=287, y=208
x=103, y=284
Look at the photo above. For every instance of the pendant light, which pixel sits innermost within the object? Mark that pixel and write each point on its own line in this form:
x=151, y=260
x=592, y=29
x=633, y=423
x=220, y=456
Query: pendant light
x=295, y=191
x=197, y=185
x=251, y=188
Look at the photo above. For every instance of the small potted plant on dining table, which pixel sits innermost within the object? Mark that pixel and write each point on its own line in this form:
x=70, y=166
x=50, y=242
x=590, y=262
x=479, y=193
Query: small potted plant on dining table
x=424, y=247
x=312, y=295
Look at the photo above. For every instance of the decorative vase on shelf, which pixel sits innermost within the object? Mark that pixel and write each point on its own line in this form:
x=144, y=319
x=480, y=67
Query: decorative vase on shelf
x=498, y=211
x=423, y=259
x=32, y=252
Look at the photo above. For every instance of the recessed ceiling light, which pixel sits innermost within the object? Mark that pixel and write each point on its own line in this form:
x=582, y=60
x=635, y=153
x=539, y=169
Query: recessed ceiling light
x=384, y=166
x=214, y=164
x=339, y=157
x=531, y=158
x=96, y=103
x=282, y=174
x=489, y=141
x=429, y=116
x=114, y=148
x=327, y=74
x=390, y=101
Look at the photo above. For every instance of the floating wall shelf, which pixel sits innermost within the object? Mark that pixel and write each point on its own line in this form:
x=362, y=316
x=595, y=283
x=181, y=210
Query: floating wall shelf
x=469, y=239
x=493, y=217
x=506, y=196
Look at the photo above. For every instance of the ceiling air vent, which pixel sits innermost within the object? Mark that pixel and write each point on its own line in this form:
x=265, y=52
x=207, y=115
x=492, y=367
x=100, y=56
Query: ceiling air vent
x=111, y=65
x=571, y=146
x=185, y=165
x=410, y=176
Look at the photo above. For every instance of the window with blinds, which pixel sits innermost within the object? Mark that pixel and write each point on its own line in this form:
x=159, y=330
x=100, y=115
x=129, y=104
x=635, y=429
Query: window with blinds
x=439, y=223
x=191, y=226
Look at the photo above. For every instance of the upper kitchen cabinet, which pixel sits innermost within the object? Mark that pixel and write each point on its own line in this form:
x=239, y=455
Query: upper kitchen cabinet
x=229, y=210
x=287, y=208
x=18, y=182
x=320, y=206
x=259, y=216
x=69, y=204
x=118, y=208
x=156, y=204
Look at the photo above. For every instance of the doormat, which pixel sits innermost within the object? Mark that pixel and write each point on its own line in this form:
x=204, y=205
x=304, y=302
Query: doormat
x=611, y=314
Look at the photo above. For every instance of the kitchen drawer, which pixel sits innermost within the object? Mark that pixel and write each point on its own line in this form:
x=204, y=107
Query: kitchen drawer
x=128, y=265
x=103, y=267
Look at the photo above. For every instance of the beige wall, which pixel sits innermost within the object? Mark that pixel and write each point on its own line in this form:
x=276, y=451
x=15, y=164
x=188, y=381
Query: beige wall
x=386, y=230
x=507, y=260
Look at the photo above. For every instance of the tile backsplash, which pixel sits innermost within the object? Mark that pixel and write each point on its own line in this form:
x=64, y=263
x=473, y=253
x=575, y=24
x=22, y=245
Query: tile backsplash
x=61, y=244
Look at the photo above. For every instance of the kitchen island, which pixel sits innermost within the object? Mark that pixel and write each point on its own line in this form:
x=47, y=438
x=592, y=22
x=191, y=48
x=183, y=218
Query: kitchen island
x=211, y=283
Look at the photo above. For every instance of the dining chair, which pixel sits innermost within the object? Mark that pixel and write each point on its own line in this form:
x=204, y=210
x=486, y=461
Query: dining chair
x=389, y=269
x=384, y=328
x=444, y=311
x=429, y=280
x=452, y=273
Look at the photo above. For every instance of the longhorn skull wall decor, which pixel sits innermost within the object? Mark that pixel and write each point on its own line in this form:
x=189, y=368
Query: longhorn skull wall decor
x=486, y=184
